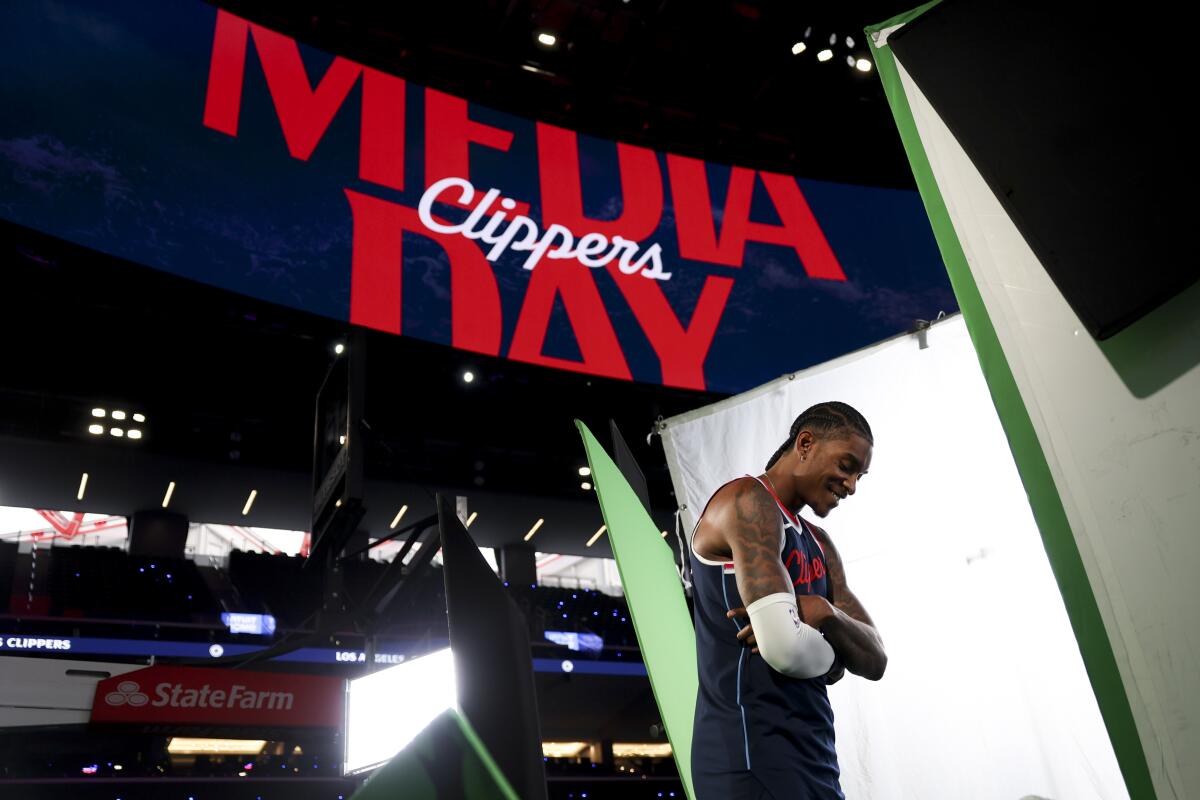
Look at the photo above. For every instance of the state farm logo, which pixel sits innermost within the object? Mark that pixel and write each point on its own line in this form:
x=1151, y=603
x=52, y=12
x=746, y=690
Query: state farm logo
x=127, y=694
x=177, y=695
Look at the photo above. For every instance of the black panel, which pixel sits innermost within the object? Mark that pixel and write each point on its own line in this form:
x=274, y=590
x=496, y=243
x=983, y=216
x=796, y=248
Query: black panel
x=629, y=467
x=158, y=533
x=8, y=569
x=492, y=659
x=1075, y=118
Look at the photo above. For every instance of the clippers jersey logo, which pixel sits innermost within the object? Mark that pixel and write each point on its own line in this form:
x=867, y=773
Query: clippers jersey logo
x=802, y=570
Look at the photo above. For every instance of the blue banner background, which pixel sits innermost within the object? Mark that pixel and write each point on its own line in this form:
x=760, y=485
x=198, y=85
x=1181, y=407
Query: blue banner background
x=103, y=143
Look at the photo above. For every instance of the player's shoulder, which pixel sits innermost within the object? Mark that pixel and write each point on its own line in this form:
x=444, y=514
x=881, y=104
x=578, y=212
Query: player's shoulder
x=815, y=528
x=823, y=537
x=734, y=505
x=739, y=491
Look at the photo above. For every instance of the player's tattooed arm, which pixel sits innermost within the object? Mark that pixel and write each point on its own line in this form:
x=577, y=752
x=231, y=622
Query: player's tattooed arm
x=754, y=534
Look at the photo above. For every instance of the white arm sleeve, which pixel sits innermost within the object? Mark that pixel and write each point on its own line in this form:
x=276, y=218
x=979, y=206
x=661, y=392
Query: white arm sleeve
x=787, y=644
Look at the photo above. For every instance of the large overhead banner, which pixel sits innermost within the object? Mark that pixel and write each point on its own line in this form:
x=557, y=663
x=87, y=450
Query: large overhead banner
x=190, y=140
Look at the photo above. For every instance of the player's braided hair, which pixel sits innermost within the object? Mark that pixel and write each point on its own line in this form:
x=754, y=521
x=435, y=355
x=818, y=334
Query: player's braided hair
x=831, y=417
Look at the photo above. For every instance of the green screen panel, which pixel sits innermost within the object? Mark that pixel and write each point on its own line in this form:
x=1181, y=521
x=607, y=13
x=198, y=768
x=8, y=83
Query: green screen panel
x=656, y=602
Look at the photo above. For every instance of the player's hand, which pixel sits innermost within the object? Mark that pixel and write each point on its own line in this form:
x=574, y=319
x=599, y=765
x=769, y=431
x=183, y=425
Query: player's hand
x=746, y=634
x=814, y=609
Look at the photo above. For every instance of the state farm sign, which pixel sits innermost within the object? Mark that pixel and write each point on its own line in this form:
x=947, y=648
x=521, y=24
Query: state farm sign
x=183, y=695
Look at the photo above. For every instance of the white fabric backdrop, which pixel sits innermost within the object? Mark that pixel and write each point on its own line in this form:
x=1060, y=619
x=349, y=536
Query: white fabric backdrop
x=1127, y=468
x=985, y=694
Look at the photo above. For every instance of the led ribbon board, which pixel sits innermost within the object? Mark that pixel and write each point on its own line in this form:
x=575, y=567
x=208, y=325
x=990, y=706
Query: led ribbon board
x=187, y=139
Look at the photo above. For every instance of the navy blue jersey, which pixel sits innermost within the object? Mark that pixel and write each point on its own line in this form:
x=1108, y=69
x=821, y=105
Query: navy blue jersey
x=758, y=733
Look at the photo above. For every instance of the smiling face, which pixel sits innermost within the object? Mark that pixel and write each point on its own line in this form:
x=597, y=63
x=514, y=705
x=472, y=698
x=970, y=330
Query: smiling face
x=827, y=468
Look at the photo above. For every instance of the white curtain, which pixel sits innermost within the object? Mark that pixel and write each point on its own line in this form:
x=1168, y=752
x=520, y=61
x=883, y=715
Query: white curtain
x=1125, y=464
x=985, y=694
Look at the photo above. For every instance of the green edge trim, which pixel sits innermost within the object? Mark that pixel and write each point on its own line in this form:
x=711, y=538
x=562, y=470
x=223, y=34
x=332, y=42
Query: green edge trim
x=1051, y=518
x=488, y=762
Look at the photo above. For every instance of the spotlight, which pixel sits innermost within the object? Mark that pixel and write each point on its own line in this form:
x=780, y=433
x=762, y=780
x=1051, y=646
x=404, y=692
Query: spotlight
x=342, y=439
x=863, y=65
x=585, y=486
x=98, y=412
x=134, y=433
x=849, y=41
x=468, y=377
x=798, y=48
x=167, y=497
x=547, y=39
x=118, y=415
x=850, y=60
x=82, y=487
x=339, y=348
x=95, y=429
x=664, y=534
x=825, y=55
x=833, y=38
x=585, y=471
x=117, y=432
x=537, y=70
x=139, y=417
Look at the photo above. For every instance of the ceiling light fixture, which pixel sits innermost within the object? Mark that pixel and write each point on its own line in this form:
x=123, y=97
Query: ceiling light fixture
x=399, y=514
x=534, y=529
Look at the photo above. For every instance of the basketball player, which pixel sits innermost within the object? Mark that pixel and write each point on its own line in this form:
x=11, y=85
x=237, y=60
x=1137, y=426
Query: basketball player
x=764, y=726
